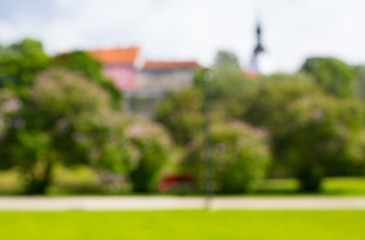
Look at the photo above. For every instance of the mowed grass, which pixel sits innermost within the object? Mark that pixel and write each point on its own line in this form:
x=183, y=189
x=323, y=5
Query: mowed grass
x=190, y=225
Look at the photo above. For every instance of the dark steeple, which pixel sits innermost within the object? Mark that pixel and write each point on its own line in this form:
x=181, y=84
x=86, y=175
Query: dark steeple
x=256, y=61
x=260, y=61
x=259, y=48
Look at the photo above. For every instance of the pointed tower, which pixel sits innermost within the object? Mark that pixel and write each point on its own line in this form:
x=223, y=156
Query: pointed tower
x=259, y=48
x=255, y=68
x=260, y=61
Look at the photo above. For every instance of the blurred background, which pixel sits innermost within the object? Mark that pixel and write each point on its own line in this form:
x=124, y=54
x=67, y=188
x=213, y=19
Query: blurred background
x=115, y=105
x=172, y=97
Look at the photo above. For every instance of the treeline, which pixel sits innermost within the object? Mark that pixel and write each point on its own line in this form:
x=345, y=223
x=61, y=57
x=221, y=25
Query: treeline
x=306, y=125
x=62, y=111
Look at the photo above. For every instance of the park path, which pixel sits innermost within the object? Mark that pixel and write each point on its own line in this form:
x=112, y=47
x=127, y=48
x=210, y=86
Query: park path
x=122, y=203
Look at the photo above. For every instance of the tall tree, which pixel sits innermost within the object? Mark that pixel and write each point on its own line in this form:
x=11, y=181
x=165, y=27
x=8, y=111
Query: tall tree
x=226, y=59
x=239, y=156
x=153, y=147
x=359, y=83
x=227, y=78
x=181, y=113
x=67, y=119
x=333, y=75
x=92, y=69
x=19, y=63
x=311, y=132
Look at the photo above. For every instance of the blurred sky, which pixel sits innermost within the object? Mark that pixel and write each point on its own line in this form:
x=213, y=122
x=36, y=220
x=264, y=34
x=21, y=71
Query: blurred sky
x=193, y=29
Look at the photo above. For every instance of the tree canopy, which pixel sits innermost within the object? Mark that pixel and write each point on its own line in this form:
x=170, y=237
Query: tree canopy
x=333, y=75
x=239, y=155
x=19, y=63
x=66, y=119
x=92, y=69
x=312, y=132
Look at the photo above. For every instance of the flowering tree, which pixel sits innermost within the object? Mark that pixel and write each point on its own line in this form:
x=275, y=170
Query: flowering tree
x=153, y=147
x=66, y=119
x=239, y=155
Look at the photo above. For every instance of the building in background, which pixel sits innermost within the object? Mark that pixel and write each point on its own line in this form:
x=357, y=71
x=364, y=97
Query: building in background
x=143, y=83
x=163, y=75
x=156, y=79
x=121, y=65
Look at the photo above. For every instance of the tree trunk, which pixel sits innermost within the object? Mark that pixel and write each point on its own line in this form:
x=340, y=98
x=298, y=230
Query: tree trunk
x=310, y=179
x=38, y=184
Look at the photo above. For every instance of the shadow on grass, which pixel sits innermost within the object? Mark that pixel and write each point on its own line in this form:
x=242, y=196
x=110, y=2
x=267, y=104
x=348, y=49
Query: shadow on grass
x=354, y=186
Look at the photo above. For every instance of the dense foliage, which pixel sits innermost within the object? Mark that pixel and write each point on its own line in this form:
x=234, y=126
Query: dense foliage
x=239, y=155
x=19, y=63
x=63, y=111
x=359, y=82
x=312, y=133
x=331, y=74
x=82, y=62
x=181, y=113
x=153, y=146
x=66, y=119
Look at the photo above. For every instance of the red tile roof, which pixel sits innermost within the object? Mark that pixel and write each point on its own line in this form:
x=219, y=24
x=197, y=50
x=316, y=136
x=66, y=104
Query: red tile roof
x=161, y=65
x=125, y=56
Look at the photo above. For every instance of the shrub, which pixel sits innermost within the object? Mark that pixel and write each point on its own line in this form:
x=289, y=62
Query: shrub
x=181, y=113
x=313, y=134
x=239, y=155
x=153, y=146
x=331, y=74
x=67, y=119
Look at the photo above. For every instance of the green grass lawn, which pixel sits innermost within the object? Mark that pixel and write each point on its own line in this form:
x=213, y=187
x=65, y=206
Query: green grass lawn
x=190, y=225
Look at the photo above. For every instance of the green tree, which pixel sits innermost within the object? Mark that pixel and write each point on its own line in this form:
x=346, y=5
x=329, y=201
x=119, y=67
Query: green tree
x=91, y=69
x=228, y=80
x=239, y=154
x=311, y=132
x=153, y=147
x=19, y=63
x=324, y=134
x=359, y=83
x=67, y=119
x=333, y=75
x=226, y=58
x=181, y=113
x=272, y=95
x=9, y=105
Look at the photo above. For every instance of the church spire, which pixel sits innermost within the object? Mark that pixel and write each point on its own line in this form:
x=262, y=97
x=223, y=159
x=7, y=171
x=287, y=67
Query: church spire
x=259, y=48
x=256, y=67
